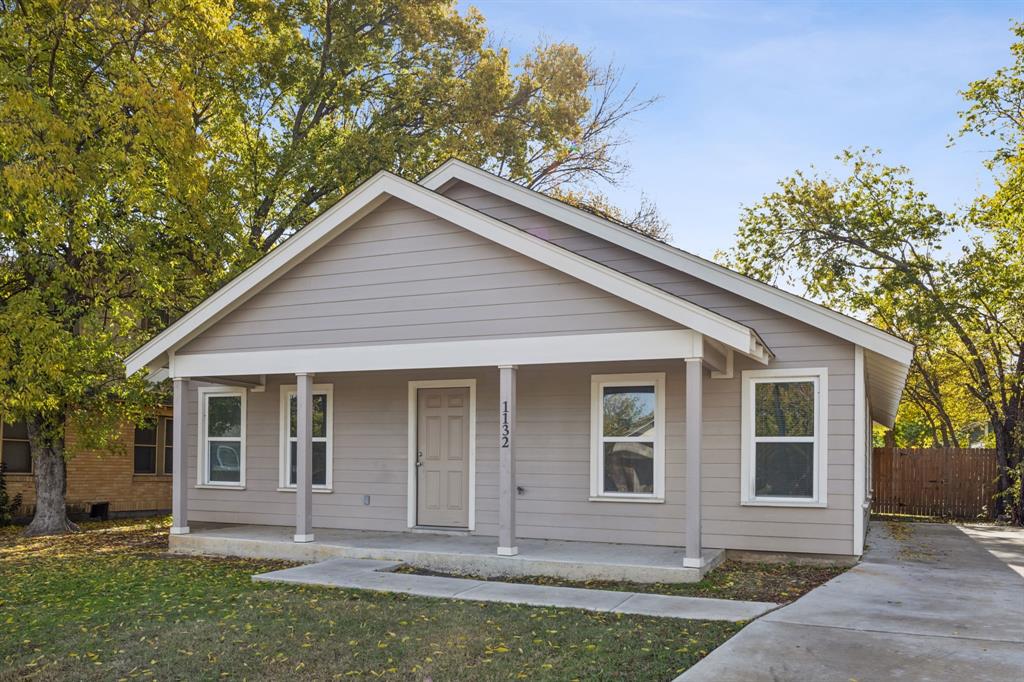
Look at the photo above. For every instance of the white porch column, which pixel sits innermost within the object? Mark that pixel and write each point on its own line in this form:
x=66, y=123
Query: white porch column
x=506, y=461
x=304, y=457
x=179, y=479
x=694, y=432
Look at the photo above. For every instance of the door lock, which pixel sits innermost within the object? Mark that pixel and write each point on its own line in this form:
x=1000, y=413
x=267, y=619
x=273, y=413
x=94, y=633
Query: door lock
x=419, y=458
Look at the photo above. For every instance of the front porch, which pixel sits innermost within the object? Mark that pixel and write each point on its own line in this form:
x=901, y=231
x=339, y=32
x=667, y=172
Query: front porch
x=469, y=554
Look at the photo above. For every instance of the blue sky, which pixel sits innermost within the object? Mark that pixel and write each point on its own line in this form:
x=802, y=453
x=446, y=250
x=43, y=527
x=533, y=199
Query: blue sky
x=751, y=92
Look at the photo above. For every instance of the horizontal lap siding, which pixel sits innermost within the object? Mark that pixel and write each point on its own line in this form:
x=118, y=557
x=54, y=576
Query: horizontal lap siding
x=403, y=275
x=795, y=344
x=370, y=457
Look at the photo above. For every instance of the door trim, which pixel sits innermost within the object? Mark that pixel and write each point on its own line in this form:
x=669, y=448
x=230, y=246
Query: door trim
x=414, y=387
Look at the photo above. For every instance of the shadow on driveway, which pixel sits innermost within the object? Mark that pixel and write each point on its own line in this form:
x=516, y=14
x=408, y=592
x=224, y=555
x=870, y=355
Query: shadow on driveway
x=928, y=602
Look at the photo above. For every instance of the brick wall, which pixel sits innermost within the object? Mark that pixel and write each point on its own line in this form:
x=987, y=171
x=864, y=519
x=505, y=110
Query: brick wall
x=102, y=477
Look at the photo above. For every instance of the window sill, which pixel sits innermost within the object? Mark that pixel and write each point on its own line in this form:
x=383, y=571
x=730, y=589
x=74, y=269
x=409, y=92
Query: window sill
x=623, y=498
x=811, y=504
x=19, y=474
x=224, y=486
x=152, y=477
x=291, y=489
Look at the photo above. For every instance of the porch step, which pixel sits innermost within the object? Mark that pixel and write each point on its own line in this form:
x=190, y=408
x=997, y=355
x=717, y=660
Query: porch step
x=377, y=575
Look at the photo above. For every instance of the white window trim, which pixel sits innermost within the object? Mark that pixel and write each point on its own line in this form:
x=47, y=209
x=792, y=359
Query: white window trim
x=203, y=473
x=286, y=392
x=597, y=384
x=818, y=375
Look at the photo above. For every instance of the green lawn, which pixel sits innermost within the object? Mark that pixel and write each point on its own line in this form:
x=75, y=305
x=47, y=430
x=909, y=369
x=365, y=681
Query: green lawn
x=108, y=603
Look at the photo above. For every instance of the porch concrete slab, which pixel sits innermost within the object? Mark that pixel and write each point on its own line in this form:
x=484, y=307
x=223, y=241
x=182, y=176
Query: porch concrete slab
x=670, y=606
x=378, y=575
x=469, y=554
x=926, y=603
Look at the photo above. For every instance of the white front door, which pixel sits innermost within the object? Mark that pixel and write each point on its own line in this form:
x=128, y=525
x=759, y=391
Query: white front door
x=442, y=457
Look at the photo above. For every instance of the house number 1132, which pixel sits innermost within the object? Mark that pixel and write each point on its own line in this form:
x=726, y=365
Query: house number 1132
x=506, y=430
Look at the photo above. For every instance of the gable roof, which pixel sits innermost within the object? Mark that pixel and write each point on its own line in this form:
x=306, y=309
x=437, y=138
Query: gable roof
x=370, y=194
x=887, y=357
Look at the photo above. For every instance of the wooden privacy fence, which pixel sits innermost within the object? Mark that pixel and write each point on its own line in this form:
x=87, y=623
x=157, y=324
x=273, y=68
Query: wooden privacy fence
x=955, y=483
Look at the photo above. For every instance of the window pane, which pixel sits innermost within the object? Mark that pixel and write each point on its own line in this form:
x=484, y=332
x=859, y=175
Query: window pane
x=145, y=436
x=629, y=467
x=319, y=415
x=628, y=411
x=17, y=431
x=225, y=462
x=784, y=470
x=784, y=408
x=319, y=463
x=293, y=409
x=17, y=457
x=145, y=459
x=224, y=417
x=168, y=446
x=292, y=450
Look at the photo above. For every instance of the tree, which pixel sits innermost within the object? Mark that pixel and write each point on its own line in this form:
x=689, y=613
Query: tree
x=151, y=149
x=872, y=245
x=328, y=93
x=100, y=177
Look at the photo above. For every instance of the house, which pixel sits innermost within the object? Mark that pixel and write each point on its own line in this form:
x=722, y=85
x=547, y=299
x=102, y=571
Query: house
x=466, y=356
x=136, y=481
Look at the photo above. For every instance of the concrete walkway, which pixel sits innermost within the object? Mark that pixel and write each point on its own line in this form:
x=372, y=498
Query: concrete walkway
x=928, y=603
x=366, y=574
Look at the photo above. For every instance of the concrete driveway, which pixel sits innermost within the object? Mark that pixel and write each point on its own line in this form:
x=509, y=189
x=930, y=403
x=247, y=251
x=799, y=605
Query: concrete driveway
x=928, y=602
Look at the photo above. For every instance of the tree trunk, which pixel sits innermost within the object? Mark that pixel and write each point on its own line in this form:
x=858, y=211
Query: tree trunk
x=51, y=515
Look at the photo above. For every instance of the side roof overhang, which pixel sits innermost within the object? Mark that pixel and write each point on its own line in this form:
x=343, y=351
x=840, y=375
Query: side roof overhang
x=363, y=199
x=887, y=357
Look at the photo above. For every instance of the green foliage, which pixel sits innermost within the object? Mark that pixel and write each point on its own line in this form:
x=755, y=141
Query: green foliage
x=109, y=603
x=151, y=150
x=322, y=94
x=871, y=244
x=101, y=179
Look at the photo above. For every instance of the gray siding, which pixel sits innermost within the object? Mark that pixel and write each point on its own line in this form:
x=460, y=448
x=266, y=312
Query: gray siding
x=796, y=344
x=371, y=457
x=403, y=275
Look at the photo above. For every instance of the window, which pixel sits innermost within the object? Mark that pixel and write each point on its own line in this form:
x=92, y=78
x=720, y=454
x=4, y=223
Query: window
x=222, y=437
x=15, y=452
x=784, y=437
x=322, y=429
x=627, y=440
x=154, y=447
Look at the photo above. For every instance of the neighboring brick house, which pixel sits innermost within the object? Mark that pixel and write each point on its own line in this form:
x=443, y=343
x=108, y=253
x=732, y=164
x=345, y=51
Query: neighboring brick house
x=137, y=480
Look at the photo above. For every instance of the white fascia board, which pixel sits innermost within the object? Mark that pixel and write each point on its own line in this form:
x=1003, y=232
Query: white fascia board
x=353, y=206
x=534, y=350
x=370, y=194
x=843, y=326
